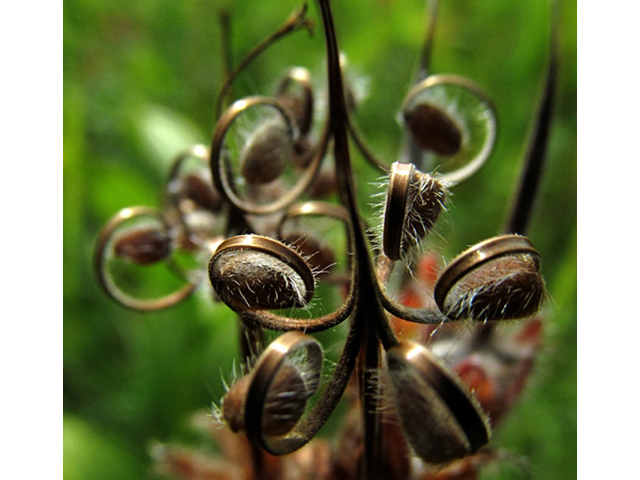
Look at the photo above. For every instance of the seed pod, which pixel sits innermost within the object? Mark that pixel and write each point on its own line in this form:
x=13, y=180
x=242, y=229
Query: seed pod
x=143, y=246
x=414, y=203
x=498, y=279
x=453, y=120
x=285, y=403
x=432, y=129
x=270, y=400
x=255, y=272
x=267, y=152
x=201, y=194
x=441, y=420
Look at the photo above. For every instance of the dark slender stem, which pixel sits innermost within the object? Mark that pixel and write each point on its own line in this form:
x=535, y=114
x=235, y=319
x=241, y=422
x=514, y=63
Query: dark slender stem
x=369, y=397
x=520, y=214
x=360, y=142
x=427, y=46
x=369, y=311
x=251, y=339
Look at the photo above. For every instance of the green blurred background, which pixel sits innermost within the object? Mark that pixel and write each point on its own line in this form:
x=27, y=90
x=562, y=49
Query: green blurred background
x=140, y=83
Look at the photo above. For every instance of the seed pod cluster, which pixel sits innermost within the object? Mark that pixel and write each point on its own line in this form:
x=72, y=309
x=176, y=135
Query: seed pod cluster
x=255, y=272
x=498, y=279
x=414, y=203
x=267, y=152
x=441, y=420
x=432, y=129
x=143, y=246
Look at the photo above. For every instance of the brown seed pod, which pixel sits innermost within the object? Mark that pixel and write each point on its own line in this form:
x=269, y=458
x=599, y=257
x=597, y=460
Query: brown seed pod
x=414, y=203
x=454, y=121
x=286, y=375
x=143, y=246
x=201, y=194
x=432, y=129
x=441, y=420
x=255, y=272
x=498, y=279
x=285, y=403
x=267, y=152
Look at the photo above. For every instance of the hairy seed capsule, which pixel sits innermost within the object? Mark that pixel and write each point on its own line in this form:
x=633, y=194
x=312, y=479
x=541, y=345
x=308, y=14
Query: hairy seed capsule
x=266, y=153
x=498, y=279
x=284, y=404
x=143, y=246
x=439, y=418
x=414, y=203
x=432, y=129
x=250, y=271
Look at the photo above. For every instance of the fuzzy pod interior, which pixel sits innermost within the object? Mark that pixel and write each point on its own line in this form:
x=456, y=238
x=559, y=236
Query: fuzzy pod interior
x=504, y=288
x=250, y=279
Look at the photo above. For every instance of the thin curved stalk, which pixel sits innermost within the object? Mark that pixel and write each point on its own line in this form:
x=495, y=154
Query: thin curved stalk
x=279, y=323
x=358, y=139
x=295, y=22
x=427, y=45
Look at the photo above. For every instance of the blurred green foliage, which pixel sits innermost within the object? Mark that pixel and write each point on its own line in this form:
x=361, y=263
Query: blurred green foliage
x=140, y=84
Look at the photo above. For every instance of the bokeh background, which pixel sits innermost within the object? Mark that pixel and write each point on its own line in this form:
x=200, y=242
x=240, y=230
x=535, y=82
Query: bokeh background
x=140, y=83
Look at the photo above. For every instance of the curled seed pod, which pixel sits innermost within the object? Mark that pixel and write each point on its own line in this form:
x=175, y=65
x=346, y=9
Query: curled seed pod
x=285, y=403
x=432, y=129
x=441, y=420
x=255, y=272
x=285, y=377
x=267, y=152
x=414, y=203
x=498, y=279
x=143, y=246
x=454, y=121
x=318, y=254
